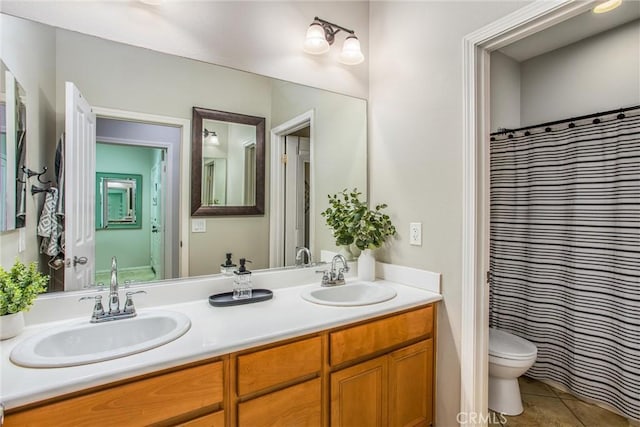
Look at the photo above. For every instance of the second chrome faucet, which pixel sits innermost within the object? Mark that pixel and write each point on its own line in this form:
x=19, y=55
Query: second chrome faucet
x=335, y=277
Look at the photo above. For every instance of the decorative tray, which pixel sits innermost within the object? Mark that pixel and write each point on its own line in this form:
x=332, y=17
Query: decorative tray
x=226, y=299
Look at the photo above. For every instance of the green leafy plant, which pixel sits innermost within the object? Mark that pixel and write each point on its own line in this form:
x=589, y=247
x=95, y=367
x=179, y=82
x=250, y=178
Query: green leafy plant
x=20, y=286
x=353, y=222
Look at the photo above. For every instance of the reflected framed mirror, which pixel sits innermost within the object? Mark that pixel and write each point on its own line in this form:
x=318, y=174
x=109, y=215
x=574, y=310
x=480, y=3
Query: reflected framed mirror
x=227, y=163
x=118, y=200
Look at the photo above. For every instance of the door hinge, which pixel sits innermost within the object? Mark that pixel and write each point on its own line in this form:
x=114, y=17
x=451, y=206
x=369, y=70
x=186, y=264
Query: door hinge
x=284, y=159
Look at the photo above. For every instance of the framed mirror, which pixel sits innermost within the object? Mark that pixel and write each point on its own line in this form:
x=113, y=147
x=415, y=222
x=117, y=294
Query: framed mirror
x=227, y=163
x=118, y=200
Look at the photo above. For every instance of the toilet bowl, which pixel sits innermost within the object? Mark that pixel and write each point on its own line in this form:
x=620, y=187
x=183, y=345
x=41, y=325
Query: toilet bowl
x=509, y=357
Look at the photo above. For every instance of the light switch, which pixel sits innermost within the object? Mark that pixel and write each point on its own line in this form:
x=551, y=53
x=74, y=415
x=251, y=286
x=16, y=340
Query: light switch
x=415, y=234
x=198, y=226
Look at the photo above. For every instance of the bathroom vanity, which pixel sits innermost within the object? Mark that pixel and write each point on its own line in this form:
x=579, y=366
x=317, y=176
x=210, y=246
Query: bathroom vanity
x=282, y=362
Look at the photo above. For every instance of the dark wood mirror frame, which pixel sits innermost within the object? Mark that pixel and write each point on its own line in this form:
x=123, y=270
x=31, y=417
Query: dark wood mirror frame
x=196, y=163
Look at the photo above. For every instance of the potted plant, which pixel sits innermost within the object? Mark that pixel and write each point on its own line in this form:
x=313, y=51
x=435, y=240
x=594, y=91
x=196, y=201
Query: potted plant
x=18, y=288
x=353, y=223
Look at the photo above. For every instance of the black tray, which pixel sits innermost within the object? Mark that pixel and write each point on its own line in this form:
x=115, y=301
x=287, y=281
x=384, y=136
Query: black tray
x=226, y=299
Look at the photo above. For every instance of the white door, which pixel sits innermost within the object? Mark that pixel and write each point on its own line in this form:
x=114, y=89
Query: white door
x=80, y=187
x=296, y=196
x=158, y=177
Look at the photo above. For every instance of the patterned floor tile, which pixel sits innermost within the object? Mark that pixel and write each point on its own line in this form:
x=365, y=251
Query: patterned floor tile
x=595, y=416
x=543, y=411
x=531, y=386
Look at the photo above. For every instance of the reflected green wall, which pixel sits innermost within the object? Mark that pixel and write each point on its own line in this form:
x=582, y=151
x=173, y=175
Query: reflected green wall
x=132, y=246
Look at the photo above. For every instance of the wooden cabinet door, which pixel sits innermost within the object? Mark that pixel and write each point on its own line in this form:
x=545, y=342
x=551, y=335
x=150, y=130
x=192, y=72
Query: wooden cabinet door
x=359, y=395
x=298, y=405
x=411, y=385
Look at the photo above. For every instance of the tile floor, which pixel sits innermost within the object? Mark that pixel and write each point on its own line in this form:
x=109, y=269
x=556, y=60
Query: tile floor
x=135, y=275
x=545, y=406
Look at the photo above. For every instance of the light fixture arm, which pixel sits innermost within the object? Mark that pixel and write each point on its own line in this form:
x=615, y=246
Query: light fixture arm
x=331, y=29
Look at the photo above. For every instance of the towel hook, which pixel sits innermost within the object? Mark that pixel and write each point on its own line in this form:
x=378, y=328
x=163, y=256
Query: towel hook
x=31, y=174
x=35, y=190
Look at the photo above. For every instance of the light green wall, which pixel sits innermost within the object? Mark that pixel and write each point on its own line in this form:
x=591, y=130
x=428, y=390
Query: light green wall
x=132, y=246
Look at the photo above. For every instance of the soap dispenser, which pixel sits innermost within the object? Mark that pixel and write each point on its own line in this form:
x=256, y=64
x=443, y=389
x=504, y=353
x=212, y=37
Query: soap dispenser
x=242, y=281
x=228, y=266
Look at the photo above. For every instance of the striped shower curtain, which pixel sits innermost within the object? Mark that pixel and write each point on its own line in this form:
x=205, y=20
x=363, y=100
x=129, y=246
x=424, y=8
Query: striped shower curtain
x=565, y=252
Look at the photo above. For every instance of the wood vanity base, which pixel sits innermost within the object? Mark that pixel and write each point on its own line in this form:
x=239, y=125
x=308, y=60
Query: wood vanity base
x=377, y=372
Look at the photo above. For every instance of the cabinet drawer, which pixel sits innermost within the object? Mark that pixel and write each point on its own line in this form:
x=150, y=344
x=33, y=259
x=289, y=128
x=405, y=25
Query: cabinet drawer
x=266, y=368
x=368, y=338
x=210, y=420
x=138, y=403
x=299, y=405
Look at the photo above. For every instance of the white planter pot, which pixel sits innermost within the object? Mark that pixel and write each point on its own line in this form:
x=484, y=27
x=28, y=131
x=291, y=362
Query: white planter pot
x=367, y=266
x=11, y=325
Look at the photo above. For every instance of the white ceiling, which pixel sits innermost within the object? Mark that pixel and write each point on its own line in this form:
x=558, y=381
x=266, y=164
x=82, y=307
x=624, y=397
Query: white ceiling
x=572, y=30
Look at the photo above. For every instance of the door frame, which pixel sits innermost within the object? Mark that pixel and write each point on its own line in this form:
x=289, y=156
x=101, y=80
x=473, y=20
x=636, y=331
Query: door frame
x=184, y=169
x=276, y=194
x=477, y=46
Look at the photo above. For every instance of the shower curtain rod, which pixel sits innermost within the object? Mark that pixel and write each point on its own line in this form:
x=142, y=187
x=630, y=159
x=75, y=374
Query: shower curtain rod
x=557, y=122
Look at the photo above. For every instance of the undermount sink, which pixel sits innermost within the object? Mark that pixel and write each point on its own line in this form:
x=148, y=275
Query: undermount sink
x=84, y=343
x=350, y=294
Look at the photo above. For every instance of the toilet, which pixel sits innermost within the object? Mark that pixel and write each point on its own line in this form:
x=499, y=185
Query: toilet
x=509, y=357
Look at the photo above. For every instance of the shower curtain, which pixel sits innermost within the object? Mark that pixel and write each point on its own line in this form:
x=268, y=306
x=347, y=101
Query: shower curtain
x=565, y=252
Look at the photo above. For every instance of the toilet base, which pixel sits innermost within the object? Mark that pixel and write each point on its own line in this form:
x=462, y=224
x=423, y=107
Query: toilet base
x=504, y=396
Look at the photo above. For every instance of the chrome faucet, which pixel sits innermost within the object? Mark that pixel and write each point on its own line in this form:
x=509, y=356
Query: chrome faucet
x=335, y=277
x=299, y=256
x=114, y=313
x=114, y=299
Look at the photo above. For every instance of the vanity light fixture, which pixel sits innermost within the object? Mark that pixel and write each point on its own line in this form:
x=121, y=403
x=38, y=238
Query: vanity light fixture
x=321, y=34
x=210, y=136
x=607, y=6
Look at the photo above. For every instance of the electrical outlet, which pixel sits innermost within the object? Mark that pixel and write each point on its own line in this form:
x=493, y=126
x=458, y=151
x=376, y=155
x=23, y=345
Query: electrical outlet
x=415, y=234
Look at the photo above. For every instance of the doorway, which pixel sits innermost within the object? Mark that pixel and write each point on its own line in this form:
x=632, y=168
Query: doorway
x=296, y=201
x=292, y=190
x=150, y=150
x=477, y=46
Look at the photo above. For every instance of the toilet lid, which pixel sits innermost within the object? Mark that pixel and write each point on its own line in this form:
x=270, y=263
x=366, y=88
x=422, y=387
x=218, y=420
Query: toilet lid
x=509, y=346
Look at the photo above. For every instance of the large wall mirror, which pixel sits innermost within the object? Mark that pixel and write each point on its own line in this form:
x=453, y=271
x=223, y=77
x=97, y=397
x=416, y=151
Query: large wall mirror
x=332, y=148
x=227, y=163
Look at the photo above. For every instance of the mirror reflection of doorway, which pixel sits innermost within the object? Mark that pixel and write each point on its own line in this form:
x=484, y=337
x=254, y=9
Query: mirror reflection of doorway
x=128, y=147
x=297, y=194
x=138, y=244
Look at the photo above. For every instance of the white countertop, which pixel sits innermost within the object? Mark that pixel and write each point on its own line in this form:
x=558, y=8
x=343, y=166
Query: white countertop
x=214, y=331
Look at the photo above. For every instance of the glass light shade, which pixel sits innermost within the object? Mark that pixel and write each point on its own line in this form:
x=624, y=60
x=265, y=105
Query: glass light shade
x=316, y=43
x=211, y=137
x=351, y=53
x=607, y=6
